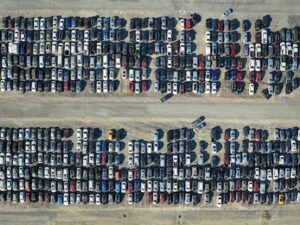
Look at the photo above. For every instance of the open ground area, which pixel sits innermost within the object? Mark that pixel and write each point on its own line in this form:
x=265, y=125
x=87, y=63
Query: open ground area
x=141, y=114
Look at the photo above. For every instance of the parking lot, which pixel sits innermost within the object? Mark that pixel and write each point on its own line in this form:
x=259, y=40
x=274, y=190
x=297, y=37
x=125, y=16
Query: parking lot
x=141, y=114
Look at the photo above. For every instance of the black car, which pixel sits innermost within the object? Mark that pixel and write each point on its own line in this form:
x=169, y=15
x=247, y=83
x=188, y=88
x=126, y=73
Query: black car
x=208, y=23
x=266, y=93
x=258, y=24
x=288, y=88
x=246, y=25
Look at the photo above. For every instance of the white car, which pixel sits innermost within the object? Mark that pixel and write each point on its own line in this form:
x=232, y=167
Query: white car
x=36, y=23
x=138, y=36
x=66, y=198
x=252, y=65
x=207, y=37
x=251, y=50
x=169, y=63
x=61, y=23
x=264, y=36
x=293, y=145
x=182, y=49
x=282, y=48
x=130, y=199
x=219, y=201
x=42, y=24
x=175, y=88
x=282, y=66
x=123, y=187
x=214, y=148
x=169, y=49
x=251, y=89
x=289, y=48
x=295, y=50
x=169, y=35
x=207, y=49
x=182, y=24
x=257, y=50
x=55, y=22
x=195, y=87
x=207, y=87
x=99, y=87
x=169, y=87
x=188, y=76
x=213, y=88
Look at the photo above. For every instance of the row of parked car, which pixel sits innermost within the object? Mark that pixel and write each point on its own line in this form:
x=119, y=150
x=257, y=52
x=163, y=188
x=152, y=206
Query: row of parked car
x=93, y=174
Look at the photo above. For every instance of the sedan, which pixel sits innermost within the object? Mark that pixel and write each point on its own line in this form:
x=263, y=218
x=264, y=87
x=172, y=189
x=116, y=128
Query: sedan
x=251, y=89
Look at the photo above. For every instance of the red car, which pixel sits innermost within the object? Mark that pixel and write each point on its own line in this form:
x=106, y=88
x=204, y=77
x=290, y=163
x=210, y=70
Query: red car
x=201, y=64
x=232, y=50
x=161, y=198
x=238, y=185
x=244, y=196
x=27, y=197
x=136, y=173
x=72, y=186
x=239, y=76
x=11, y=23
x=226, y=158
x=130, y=187
x=66, y=133
x=257, y=135
x=144, y=86
x=250, y=198
x=149, y=198
x=221, y=25
x=252, y=76
x=232, y=196
x=255, y=185
x=181, y=89
x=240, y=64
x=257, y=77
x=227, y=134
x=175, y=61
x=175, y=47
x=66, y=86
x=104, y=158
x=144, y=62
x=130, y=88
x=188, y=24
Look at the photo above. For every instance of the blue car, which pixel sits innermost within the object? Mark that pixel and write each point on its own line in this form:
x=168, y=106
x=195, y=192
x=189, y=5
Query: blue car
x=214, y=75
x=233, y=74
x=117, y=187
x=103, y=186
x=214, y=24
x=59, y=199
x=66, y=76
x=29, y=35
x=136, y=185
x=74, y=22
x=68, y=22
x=105, y=35
x=104, y=146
